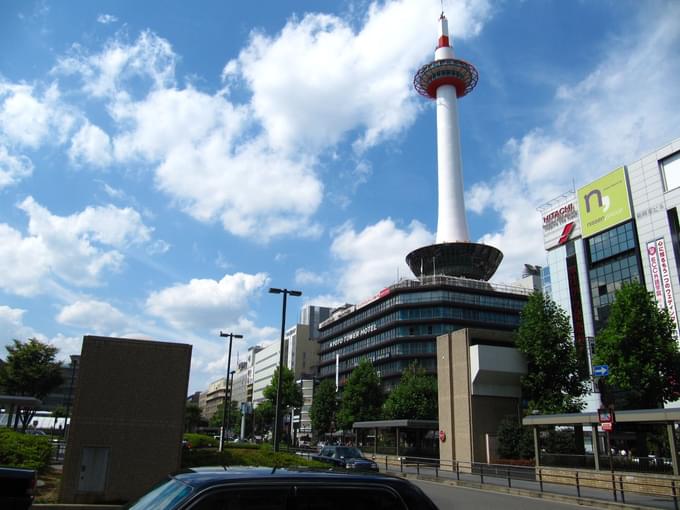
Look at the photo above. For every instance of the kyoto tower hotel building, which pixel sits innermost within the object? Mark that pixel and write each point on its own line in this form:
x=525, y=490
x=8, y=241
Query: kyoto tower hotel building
x=400, y=323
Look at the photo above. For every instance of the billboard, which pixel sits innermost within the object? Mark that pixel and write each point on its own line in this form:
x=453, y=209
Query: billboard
x=560, y=223
x=661, y=278
x=604, y=203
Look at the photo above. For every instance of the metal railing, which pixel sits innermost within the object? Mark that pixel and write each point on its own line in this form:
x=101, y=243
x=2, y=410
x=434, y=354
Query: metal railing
x=58, y=451
x=638, y=488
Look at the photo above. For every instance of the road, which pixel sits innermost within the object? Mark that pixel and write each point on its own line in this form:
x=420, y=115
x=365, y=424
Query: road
x=447, y=497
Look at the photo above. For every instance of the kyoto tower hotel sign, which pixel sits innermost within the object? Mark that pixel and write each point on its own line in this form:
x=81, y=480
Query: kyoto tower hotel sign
x=446, y=79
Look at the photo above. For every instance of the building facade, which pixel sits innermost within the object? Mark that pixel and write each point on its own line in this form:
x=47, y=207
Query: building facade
x=214, y=397
x=623, y=227
x=239, y=385
x=312, y=316
x=400, y=324
x=265, y=363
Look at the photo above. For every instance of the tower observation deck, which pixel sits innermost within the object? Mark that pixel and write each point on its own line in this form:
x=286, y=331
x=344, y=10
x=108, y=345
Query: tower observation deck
x=446, y=79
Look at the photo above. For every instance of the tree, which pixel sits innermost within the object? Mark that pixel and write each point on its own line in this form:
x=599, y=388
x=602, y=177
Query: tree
x=324, y=407
x=414, y=398
x=291, y=392
x=234, y=415
x=30, y=370
x=555, y=377
x=362, y=397
x=639, y=346
x=192, y=418
x=263, y=418
x=514, y=441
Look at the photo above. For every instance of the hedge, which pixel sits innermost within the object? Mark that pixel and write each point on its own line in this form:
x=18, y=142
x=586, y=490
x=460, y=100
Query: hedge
x=24, y=451
x=249, y=456
x=201, y=441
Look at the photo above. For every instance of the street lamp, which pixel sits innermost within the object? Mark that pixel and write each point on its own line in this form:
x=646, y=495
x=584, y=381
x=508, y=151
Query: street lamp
x=231, y=337
x=231, y=392
x=277, y=414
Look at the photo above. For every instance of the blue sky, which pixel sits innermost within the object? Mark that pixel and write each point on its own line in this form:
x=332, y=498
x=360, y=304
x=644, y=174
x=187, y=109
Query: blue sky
x=162, y=164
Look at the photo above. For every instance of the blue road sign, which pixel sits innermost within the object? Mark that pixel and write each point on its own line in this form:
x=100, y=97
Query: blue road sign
x=601, y=370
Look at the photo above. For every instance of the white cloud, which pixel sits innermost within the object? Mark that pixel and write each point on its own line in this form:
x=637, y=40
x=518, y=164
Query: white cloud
x=212, y=172
x=304, y=277
x=91, y=146
x=320, y=58
x=601, y=122
x=94, y=317
x=104, y=74
x=106, y=19
x=70, y=248
x=373, y=257
x=214, y=156
x=169, y=118
x=13, y=168
x=28, y=119
x=206, y=303
x=254, y=192
x=158, y=247
x=67, y=345
x=216, y=364
x=12, y=325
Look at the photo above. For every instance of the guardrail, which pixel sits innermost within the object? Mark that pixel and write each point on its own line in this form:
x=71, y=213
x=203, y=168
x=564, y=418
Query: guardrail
x=616, y=486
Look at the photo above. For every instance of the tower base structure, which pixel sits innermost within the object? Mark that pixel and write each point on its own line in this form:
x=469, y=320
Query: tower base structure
x=469, y=260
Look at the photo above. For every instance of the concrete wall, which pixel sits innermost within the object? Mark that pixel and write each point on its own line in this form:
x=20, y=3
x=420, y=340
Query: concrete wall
x=127, y=420
x=465, y=417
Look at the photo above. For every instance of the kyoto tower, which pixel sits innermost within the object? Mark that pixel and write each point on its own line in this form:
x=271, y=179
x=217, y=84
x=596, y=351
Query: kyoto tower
x=446, y=79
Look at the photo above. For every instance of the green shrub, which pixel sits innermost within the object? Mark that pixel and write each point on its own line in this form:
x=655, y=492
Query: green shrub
x=248, y=456
x=24, y=451
x=244, y=446
x=201, y=440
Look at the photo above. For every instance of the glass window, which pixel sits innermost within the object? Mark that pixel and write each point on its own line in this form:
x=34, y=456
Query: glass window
x=262, y=498
x=670, y=168
x=342, y=498
x=166, y=495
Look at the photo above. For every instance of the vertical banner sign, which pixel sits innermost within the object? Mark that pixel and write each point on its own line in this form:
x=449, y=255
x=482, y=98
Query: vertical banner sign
x=666, y=281
x=656, y=276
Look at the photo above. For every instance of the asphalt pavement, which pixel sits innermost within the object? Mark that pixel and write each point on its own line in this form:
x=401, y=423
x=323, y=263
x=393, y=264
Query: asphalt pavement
x=447, y=497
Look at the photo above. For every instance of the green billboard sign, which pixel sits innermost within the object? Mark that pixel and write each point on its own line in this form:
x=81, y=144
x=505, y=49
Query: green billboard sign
x=604, y=203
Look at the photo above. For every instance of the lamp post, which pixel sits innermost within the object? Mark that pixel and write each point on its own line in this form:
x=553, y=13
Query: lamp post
x=230, y=391
x=277, y=413
x=231, y=337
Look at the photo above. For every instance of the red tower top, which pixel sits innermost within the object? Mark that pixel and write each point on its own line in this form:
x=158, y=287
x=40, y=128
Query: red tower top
x=445, y=70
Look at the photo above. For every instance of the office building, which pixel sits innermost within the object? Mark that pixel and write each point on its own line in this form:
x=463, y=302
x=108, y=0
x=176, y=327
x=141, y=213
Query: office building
x=622, y=227
x=400, y=324
x=265, y=363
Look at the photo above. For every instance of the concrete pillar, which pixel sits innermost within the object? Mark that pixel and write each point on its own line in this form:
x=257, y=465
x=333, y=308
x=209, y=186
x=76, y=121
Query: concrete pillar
x=596, y=445
x=537, y=450
x=671, y=443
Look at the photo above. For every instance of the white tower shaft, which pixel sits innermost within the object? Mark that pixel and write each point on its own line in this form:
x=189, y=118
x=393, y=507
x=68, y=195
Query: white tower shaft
x=451, y=221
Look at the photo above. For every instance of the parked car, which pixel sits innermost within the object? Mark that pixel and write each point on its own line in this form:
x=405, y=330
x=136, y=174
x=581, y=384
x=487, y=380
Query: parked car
x=347, y=457
x=16, y=488
x=35, y=432
x=282, y=489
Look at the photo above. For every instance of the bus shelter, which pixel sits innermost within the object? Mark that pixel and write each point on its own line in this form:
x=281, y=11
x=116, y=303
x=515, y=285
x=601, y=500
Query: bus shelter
x=14, y=405
x=667, y=417
x=413, y=438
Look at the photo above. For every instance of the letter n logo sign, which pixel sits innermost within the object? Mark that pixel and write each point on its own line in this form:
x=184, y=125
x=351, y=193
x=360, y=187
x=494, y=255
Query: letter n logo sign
x=568, y=228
